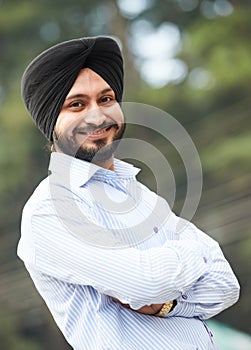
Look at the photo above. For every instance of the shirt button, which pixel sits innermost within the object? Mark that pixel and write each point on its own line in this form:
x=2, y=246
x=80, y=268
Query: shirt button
x=155, y=229
x=184, y=296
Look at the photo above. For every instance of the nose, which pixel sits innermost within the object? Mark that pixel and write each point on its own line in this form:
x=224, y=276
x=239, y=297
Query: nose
x=95, y=116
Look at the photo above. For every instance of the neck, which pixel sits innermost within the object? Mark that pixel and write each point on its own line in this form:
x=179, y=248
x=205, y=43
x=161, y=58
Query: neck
x=108, y=164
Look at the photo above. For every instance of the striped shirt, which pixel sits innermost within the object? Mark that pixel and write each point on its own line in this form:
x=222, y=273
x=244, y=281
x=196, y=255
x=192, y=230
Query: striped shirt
x=89, y=234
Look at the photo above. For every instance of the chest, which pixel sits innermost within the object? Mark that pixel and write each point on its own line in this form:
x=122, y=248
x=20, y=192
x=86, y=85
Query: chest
x=133, y=213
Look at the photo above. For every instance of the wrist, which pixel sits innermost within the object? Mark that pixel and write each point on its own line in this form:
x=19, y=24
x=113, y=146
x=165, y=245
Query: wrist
x=166, y=308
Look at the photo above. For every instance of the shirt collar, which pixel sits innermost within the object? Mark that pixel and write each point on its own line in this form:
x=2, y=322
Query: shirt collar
x=79, y=172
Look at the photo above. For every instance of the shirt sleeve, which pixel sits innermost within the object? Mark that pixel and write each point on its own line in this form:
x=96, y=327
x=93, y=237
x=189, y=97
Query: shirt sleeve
x=133, y=276
x=214, y=291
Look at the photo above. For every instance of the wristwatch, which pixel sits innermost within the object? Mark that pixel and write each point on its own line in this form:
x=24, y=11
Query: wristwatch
x=166, y=308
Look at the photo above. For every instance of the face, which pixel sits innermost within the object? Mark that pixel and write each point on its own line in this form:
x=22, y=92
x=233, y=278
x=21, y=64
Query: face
x=90, y=122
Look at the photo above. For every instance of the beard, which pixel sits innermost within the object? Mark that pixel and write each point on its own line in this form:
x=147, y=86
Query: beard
x=98, y=153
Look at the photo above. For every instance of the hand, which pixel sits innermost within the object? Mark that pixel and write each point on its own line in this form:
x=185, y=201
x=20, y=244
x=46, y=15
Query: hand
x=147, y=309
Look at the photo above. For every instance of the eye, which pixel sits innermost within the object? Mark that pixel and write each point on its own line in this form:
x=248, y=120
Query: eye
x=76, y=104
x=106, y=99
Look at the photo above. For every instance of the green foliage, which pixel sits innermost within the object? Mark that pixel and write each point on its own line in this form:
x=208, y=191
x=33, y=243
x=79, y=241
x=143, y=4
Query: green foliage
x=11, y=336
x=231, y=152
x=223, y=48
x=217, y=115
x=17, y=15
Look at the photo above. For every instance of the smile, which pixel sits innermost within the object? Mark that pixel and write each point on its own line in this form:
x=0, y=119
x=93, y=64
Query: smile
x=98, y=133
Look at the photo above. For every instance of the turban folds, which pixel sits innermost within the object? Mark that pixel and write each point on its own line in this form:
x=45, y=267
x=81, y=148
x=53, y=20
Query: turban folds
x=49, y=77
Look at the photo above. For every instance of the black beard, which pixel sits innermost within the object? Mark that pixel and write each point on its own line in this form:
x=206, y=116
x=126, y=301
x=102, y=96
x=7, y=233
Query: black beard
x=98, y=154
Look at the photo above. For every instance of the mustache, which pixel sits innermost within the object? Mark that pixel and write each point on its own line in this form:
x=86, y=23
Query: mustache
x=91, y=128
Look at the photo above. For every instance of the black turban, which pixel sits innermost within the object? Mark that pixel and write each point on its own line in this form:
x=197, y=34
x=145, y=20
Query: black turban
x=49, y=77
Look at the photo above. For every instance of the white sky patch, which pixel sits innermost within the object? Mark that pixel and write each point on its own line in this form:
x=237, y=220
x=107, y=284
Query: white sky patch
x=154, y=50
x=159, y=73
x=132, y=8
x=223, y=7
x=217, y=8
x=149, y=42
x=200, y=78
x=188, y=5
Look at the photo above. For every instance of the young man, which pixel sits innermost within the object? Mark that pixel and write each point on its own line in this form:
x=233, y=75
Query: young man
x=82, y=242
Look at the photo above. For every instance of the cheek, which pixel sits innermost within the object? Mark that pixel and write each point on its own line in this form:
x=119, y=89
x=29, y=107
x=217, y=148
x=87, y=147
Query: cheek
x=64, y=124
x=59, y=126
x=115, y=114
x=121, y=116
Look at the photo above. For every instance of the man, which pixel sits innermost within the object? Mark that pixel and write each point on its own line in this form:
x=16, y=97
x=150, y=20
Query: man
x=107, y=285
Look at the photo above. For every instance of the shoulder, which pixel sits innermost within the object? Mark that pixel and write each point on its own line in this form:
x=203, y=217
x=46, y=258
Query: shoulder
x=40, y=195
x=53, y=203
x=189, y=231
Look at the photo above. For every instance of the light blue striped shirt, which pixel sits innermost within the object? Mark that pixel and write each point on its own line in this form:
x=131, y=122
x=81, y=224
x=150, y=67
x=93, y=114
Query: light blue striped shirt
x=89, y=233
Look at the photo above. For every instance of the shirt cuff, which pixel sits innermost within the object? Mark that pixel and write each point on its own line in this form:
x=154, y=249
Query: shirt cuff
x=185, y=306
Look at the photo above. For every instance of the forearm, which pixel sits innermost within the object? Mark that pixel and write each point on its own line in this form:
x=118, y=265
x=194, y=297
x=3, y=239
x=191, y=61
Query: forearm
x=147, y=309
x=133, y=276
x=191, y=308
x=217, y=290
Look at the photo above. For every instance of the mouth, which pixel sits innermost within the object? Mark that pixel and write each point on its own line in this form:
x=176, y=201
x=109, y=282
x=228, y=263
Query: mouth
x=97, y=133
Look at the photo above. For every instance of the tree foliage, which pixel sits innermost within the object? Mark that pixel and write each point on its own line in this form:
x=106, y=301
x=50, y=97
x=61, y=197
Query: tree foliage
x=212, y=102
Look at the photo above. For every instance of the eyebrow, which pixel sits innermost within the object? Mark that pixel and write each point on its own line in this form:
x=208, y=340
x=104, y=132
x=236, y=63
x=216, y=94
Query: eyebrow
x=86, y=96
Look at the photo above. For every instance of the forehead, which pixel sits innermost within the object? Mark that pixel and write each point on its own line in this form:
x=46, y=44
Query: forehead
x=88, y=81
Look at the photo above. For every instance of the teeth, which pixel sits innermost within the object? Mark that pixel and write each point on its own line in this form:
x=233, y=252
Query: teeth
x=100, y=131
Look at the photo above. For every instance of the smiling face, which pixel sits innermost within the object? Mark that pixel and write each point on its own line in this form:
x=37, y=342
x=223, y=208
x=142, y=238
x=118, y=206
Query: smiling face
x=90, y=121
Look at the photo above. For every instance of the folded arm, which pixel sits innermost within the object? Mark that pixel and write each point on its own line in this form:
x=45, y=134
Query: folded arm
x=179, y=269
x=133, y=276
x=215, y=291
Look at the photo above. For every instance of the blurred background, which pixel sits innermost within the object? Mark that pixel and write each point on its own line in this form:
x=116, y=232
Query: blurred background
x=190, y=58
